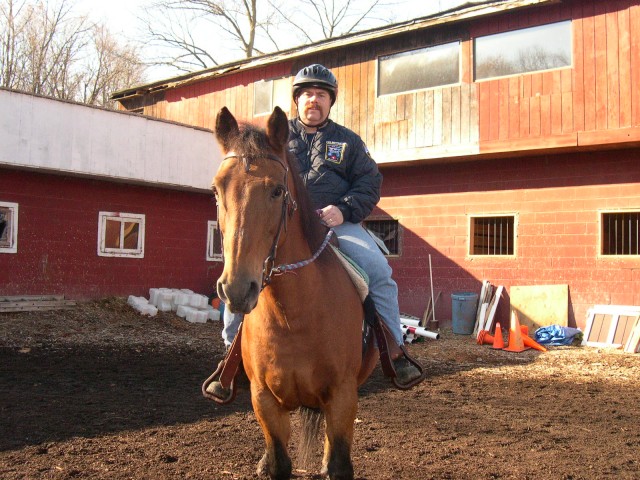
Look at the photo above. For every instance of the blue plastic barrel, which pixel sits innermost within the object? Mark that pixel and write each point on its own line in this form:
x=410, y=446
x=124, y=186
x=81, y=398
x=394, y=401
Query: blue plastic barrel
x=463, y=312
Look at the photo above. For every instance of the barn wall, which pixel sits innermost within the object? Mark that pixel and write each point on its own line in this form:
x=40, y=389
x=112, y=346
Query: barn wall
x=585, y=118
x=557, y=200
x=594, y=102
x=58, y=230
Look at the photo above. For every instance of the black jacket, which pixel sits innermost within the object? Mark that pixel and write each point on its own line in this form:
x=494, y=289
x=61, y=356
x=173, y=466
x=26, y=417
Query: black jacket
x=337, y=169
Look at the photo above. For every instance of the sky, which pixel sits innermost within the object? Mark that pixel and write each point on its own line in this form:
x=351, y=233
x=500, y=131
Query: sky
x=121, y=17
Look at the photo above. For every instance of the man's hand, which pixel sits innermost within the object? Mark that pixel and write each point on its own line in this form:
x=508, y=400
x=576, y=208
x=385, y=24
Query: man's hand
x=331, y=216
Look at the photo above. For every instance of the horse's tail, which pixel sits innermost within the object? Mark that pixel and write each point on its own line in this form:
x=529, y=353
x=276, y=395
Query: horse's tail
x=311, y=422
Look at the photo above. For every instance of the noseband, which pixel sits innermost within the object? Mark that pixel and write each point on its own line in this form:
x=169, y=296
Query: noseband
x=289, y=206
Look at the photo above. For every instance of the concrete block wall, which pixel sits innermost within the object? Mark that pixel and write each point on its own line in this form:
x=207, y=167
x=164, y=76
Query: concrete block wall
x=58, y=229
x=557, y=202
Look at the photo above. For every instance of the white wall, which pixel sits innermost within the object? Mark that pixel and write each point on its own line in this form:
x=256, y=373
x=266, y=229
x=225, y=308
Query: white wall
x=48, y=134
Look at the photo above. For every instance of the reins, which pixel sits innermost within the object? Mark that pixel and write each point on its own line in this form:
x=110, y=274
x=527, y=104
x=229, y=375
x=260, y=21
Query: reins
x=289, y=206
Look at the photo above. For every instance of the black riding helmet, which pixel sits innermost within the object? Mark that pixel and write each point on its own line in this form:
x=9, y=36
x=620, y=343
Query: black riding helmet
x=317, y=76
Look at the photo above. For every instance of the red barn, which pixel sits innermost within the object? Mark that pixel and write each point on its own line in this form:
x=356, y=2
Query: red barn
x=508, y=134
x=96, y=203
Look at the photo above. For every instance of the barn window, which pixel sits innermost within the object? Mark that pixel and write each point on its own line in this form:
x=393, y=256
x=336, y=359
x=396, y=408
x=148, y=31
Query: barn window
x=520, y=51
x=492, y=235
x=8, y=227
x=269, y=93
x=214, y=242
x=620, y=233
x=121, y=234
x=386, y=233
x=418, y=69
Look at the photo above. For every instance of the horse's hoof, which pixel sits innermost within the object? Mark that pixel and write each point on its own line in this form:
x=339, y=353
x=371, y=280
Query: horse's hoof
x=405, y=371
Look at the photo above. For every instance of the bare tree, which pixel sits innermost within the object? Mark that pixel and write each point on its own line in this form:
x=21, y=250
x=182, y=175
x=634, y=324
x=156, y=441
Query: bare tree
x=249, y=27
x=109, y=67
x=323, y=19
x=169, y=23
x=47, y=50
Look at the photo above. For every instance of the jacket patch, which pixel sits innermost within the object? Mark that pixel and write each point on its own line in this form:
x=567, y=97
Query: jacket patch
x=335, y=152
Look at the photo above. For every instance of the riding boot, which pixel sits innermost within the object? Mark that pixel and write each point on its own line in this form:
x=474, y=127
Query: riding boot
x=406, y=372
x=216, y=389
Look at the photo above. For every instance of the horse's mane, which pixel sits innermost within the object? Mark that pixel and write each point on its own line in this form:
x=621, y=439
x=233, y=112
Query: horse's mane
x=252, y=143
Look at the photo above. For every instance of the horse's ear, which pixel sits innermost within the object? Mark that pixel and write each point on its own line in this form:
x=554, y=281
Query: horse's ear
x=226, y=128
x=278, y=129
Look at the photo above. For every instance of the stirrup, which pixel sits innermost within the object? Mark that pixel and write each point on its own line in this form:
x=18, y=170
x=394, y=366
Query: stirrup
x=226, y=372
x=415, y=381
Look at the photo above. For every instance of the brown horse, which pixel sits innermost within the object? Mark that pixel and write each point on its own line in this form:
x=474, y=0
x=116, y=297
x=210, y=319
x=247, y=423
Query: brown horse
x=302, y=332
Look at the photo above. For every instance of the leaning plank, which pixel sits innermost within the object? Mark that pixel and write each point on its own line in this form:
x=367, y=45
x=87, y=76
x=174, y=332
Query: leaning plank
x=483, y=314
x=493, y=307
x=478, y=323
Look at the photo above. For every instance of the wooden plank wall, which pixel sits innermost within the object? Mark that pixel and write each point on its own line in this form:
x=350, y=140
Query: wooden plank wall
x=599, y=93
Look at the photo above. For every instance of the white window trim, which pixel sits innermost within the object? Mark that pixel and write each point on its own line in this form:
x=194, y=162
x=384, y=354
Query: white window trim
x=120, y=252
x=13, y=228
x=212, y=226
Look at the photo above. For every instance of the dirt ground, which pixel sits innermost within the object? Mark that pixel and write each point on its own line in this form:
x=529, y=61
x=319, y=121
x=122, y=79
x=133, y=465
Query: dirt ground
x=100, y=392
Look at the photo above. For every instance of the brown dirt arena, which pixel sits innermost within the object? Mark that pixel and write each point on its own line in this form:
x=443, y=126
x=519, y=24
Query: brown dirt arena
x=100, y=392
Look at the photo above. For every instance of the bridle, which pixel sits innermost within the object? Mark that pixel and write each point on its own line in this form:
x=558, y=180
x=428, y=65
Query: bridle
x=289, y=206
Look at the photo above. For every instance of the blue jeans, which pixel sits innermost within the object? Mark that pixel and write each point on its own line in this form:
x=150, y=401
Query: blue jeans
x=357, y=243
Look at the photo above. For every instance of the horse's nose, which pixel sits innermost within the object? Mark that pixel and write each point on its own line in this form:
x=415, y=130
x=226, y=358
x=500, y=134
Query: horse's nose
x=238, y=296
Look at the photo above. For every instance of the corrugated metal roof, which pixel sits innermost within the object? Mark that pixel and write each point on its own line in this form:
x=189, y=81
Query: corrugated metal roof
x=466, y=11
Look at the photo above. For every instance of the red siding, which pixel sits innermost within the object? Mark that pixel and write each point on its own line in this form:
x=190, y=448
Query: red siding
x=58, y=229
x=557, y=201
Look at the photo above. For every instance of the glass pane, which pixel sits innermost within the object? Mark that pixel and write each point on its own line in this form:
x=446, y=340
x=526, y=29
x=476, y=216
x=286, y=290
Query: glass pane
x=416, y=69
x=131, y=230
x=5, y=227
x=112, y=234
x=262, y=97
x=521, y=51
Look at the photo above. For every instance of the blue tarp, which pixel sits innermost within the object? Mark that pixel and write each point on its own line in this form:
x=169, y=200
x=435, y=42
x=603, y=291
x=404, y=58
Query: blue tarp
x=556, y=335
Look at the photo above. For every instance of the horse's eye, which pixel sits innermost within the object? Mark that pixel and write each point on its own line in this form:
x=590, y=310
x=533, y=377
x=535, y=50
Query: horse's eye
x=278, y=191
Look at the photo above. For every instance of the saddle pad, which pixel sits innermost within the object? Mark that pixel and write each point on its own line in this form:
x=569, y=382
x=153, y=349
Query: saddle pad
x=358, y=276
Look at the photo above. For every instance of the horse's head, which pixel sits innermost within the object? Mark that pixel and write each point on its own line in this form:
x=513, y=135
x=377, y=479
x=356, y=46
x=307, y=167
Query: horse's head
x=252, y=189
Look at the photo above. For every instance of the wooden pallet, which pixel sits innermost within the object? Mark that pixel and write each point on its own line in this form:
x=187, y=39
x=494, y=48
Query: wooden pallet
x=32, y=303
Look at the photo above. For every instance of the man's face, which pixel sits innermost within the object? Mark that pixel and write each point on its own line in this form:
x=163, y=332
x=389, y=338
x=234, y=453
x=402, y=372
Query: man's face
x=314, y=105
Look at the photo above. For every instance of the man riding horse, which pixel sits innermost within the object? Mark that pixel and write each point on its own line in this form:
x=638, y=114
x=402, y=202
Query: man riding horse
x=344, y=184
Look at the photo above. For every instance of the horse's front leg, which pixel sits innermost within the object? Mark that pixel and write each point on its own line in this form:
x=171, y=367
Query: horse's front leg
x=276, y=428
x=340, y=415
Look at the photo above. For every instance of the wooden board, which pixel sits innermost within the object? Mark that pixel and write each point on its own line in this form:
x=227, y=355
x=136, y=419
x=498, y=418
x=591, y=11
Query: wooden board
x=541, y=305
x=29, y=303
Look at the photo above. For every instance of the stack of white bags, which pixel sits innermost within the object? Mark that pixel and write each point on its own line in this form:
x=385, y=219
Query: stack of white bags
x=191, y=306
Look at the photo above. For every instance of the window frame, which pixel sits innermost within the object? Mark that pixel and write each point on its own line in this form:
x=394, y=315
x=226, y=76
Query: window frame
x=471, y=233
x=601, y=215
x=493, y=77
x=419, y=89
x=280, y=95
x=12, y=236
x=398, y=236
x=212, y=232
x=121, y=217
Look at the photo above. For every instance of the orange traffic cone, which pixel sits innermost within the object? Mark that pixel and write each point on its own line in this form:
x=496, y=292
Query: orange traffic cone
x=498, y=341
x=485, y=338
x=530, y=342
x=516, y=344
